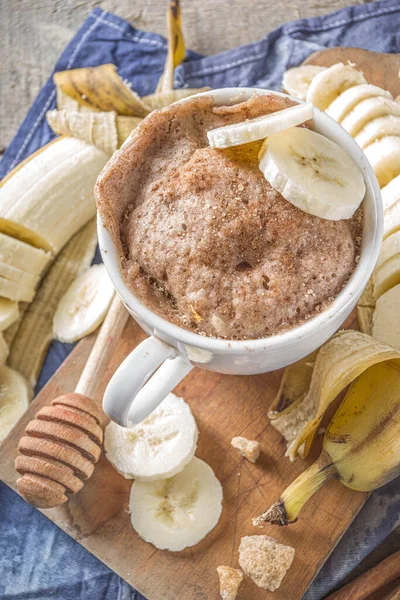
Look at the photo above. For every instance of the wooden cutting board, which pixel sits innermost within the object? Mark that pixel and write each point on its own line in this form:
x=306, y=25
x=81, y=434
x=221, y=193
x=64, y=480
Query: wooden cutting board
x=224, y=406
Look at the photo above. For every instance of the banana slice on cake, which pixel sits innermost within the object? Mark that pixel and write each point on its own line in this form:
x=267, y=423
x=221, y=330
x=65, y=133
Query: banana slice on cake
x=9, y=313
x=377, y=129
x=159, y=447
x=296, y=81
x=84, y=305
x=348, y=99
x=15, y=395
x=385, y=320
x=313, y=173
x=384, y=156
x=177, y=513
x=366, y=111
x=259, y=128
x=330, y=83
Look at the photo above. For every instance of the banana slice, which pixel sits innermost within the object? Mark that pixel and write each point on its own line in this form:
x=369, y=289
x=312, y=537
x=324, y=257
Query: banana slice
x=22, y=256
x=15, y=395
x=313, y=173
x=296, y=81
x=9, y=313
x=391, y=220
x=84, y=305
x=177, y=513
x=390, y=247
x=16, y=290
x=378, y=128
x=387, y=276
x=391, y=193
x=366, y=111
x=259, y=128
x=385, y=321
x=384, y=156
x=159, y=447
x=4, y=349
x=330, y=83
x=17, y=275
x=344, y=103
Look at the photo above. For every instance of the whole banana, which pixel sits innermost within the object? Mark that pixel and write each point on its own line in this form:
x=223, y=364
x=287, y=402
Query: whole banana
x=361, y=446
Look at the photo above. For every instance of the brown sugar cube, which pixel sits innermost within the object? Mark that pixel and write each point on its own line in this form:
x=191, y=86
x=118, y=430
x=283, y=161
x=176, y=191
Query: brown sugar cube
x=250, y=449
x=229, y=582
x=265, y=560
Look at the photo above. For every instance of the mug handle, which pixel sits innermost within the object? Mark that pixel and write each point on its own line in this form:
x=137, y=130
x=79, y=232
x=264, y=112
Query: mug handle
x=133, y=393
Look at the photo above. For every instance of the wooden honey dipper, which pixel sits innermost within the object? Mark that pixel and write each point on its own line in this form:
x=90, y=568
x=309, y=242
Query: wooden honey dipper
x=62, y=444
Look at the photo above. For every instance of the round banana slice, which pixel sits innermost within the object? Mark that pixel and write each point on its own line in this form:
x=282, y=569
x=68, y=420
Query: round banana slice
x=330, y=83
x=4, y=349
x=391, y=220
x=384, y=156
x=390, y=247
x=179, y=512
x=387, y=276
x=296, y=81
x=15, y=395
x=391, y=193
x=366, y=111
x=378, y=128
x=351, y=97
x=259, y=128
x=313, y=173
x=84, y=305
x=159, y=447
x=385, y=321
x=9, y=313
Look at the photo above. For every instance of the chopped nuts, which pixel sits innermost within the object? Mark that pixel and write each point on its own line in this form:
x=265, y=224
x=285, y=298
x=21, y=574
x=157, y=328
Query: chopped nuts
x=250, y=449
x=229, y=582
x=265, y=560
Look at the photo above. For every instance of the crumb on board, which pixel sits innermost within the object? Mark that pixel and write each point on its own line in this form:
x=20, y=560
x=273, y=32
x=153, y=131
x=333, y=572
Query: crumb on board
x=265, y=560
x=250, y=449
x=229, y=582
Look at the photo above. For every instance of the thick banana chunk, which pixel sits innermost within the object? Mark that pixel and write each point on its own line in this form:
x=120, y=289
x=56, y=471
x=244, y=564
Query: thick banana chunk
x=351, y=97
x=391, y=193
x=384, y=156
x=378, y=128
x=313, y=173
x=387, y=276
x=391, y=220
x=4, y=350
x=386, y=322
x=19, y=291
x=367, y=110
x=259, y=128
x=18, y=275
x=15, y=395
x=159, y=447
x=330, y=83
x=49, y=197
x=22, y=256
x=9, y=313
x=390, y=247
x=84, y=305
x=296, y=81
x=177, y=513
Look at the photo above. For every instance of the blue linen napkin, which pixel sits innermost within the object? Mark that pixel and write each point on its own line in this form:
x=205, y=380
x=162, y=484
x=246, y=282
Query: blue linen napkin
x=38, y=560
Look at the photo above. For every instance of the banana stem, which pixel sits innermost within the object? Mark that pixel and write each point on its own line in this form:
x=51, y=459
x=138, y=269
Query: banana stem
x=289, y=505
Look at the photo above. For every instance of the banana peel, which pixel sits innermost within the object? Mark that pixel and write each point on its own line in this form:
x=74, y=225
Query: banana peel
x=176, y=47
x=161, y=99
x=343, y=358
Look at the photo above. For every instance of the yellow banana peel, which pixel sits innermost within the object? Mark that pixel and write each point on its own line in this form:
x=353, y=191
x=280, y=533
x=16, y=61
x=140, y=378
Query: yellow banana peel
x=176, y=47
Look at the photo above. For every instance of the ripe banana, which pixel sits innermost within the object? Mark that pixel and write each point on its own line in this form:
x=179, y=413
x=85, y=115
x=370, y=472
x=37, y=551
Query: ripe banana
x=173, y=514
x=17, y=290
x=84, y=305
x=161, y=99
x=296, y=81
x=9, y=313
x=384, y=156
x=159, y=447
x=258, y=129
x=313, y=173
x=49, y=197
x=346, y=101
x=327, y=85
x=390, y=247
x=366, y=111
x=361, y=446
x=391, y=193
x=378, y=128
x=391, y=220
x=4, y=349
x=18, y=276
x=385, y=321
x=387, y=276
x=15, y=395
x=22, y=256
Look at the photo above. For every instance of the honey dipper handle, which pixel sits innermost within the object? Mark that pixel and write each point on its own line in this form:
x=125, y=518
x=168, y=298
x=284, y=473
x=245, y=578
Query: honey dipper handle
x=103, y=349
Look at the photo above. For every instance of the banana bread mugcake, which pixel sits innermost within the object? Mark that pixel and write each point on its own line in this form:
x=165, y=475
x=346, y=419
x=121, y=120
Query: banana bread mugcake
x=205, y=241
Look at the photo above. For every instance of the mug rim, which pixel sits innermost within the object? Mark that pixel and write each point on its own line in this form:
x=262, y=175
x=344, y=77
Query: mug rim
x=336, y=309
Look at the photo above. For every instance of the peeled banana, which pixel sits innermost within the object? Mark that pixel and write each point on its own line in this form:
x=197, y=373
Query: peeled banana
x=384, y=156
x=9, y=313
x=296, y=81
x=366, y=111
x=378, y=128
x=50, y=197
x=15, y=395
x=4, y=349
x=361, y=446
x=327, y=85
x=348, y=99
x=386, y=322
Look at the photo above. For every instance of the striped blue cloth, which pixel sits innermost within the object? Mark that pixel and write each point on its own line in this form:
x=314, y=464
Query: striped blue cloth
x=37, y=560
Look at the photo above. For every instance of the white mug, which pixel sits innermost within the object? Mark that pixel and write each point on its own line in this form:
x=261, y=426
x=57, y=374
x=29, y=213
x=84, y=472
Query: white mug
x=160, y=362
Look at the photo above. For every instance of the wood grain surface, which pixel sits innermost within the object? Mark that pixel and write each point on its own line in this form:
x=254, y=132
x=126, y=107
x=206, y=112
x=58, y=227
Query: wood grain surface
x=33, y=33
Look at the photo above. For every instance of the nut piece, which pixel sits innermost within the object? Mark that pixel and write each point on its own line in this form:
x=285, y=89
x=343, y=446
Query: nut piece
x=265, y=560
x=250, y=449
x=229, y=582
